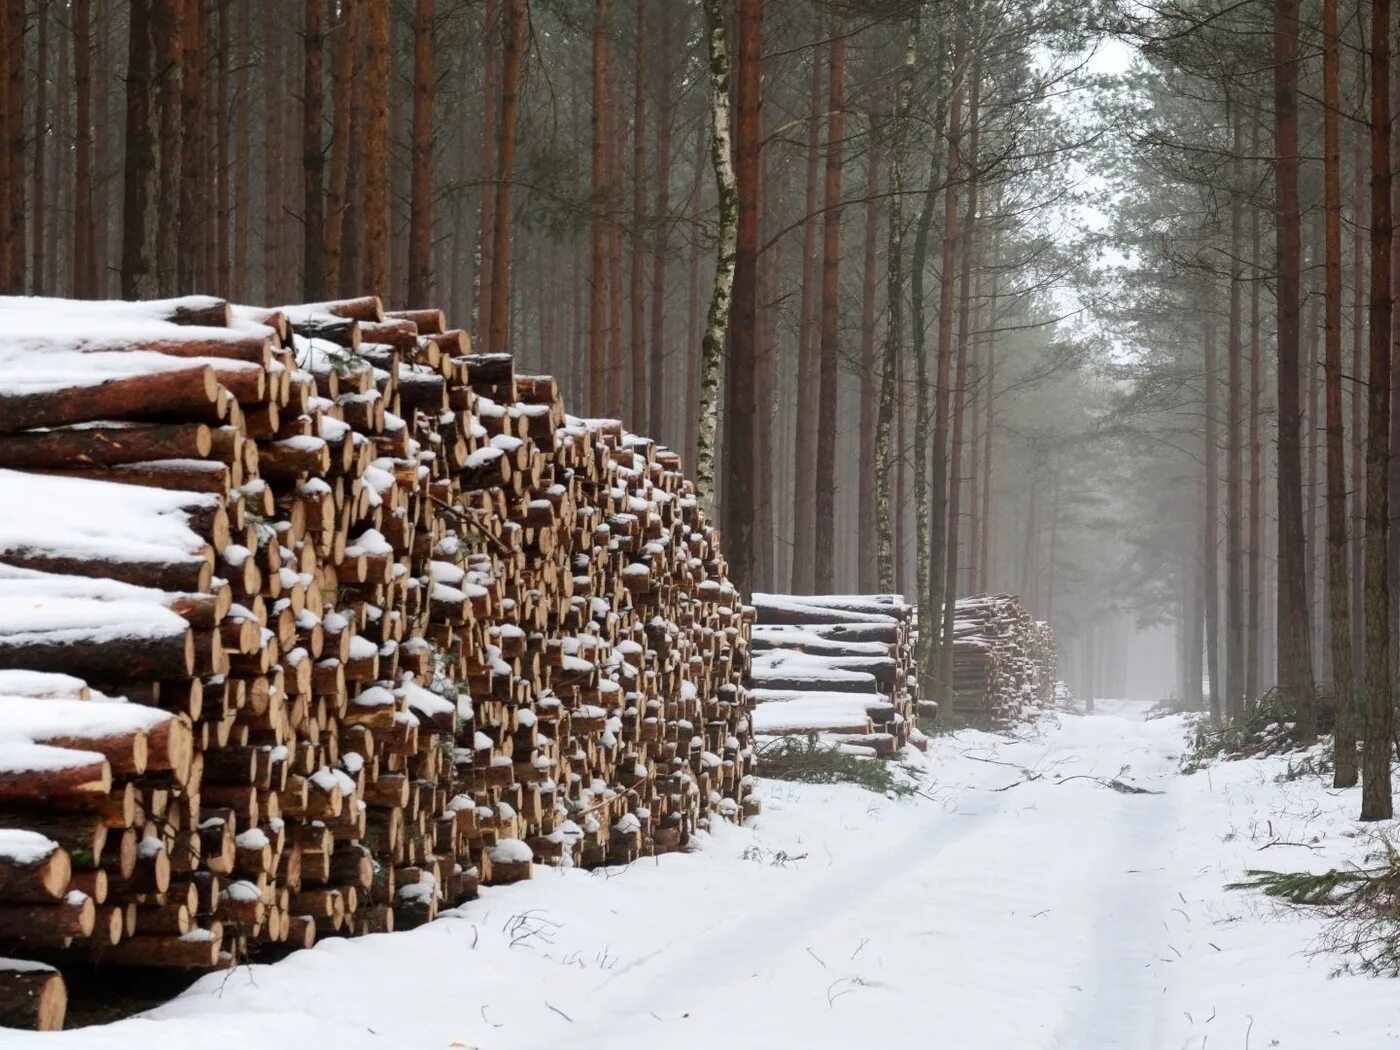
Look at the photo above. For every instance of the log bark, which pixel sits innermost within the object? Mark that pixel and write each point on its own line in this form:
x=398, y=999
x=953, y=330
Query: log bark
x=31, y=996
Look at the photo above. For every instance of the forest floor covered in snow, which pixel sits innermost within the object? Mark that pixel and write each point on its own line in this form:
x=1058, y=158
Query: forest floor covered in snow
x=1024, y=899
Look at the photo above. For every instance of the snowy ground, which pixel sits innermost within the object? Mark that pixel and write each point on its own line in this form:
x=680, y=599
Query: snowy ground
x=1002, y=912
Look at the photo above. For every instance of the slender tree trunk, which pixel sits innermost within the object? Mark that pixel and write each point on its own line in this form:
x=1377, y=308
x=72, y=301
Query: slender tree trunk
x=84, y=272
x=376, y=149
x=983, y=584
x=1234, y=465
x=505, y=173
x=1375, y=763
x=1360, y=219
x=937, y=593
x=717, y=321
x=824, y=536
x=959, y=393
x=313, y=156
x=420, y=222
x=867, y=551
x=918, y=267
x=16, y=152
x=638, y=305
x=1295, y=651
x=656, y=395
x=598, y=293
x=42, y=130
x=1211, y=482
x=741, y=404
x=343, y=71
x=1338, y=592
x=190, y=228
x=222, y=274
x=7, y=191
x=805, y=430
x=490, y=84
x=886, y=466
x=140, y=178
x=1254, y=589
x=272, y=157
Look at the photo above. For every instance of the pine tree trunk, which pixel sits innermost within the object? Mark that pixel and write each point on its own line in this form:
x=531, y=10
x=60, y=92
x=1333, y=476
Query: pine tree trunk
x=1376, y=801
x=805, y=428
x=189, y=229
x=741, y=403
x=16, y=151
x=726, y=186
x=656, y=396
x=490, y=84
x=222, y=275
x=867, y=551
x=376, y=150
x=959, y=393
x=598, y=270
x=1255, y=586
x=886, y=530
x=313, y=156
x=638, y=370
x=499, y=337
x=1234, y=465
x=1360, y=219
x=1211, y=539
x=983, y=584
x=824, y=474
x=7, y=191
x=934, y=598
x=43, y=130
x=242, y=148
x=1338, y=591
x=1295, y=651
x=84, y=270
x=347, y=33
x=272, y=154
x=140, y=189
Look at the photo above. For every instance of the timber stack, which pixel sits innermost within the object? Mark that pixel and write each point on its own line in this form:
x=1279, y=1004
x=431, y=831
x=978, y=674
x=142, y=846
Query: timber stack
x=1004, y=662
x=312, y=621
x=840, y=666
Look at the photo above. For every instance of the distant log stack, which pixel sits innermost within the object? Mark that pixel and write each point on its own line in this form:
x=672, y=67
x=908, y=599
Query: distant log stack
x=312, y=620
x=841, y=666
x=1004, y=662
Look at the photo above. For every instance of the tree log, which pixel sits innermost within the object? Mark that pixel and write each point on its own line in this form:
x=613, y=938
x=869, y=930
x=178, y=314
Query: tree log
x=189, y=394
x=32, y=996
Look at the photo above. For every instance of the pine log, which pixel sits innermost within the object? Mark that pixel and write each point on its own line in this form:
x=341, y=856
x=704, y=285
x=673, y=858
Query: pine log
x=191, y=394
x=32, y=995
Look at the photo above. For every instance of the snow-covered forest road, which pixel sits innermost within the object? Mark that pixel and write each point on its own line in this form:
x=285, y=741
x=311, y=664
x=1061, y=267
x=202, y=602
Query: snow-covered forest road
x=1023, y=903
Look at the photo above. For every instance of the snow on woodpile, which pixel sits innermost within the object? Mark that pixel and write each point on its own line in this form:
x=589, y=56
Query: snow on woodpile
x=1004, y=662
x=311, y=621
x=836, y=665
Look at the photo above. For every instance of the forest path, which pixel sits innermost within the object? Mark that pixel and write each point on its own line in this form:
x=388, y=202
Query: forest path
x=1029, y=911
x=1021, y=903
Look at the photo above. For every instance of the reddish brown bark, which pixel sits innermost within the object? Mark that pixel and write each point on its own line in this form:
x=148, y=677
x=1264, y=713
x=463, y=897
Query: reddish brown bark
x=376, y=147
x=313, y=156
x=740, y=374
x=637, y=373
x=824, y=545
x=598, y=268
x=505, y=174
x=420, y=221
x=805, y=436
x=656, y=356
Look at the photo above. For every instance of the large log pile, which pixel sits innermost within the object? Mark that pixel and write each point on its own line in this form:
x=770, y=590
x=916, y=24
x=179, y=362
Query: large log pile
x=841, y=666
x=1004, y=662
x=311, y=621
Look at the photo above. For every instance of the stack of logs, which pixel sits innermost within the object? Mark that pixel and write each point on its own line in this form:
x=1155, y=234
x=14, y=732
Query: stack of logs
x=311, y=621
x=841, y=666
x=1004, y=662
